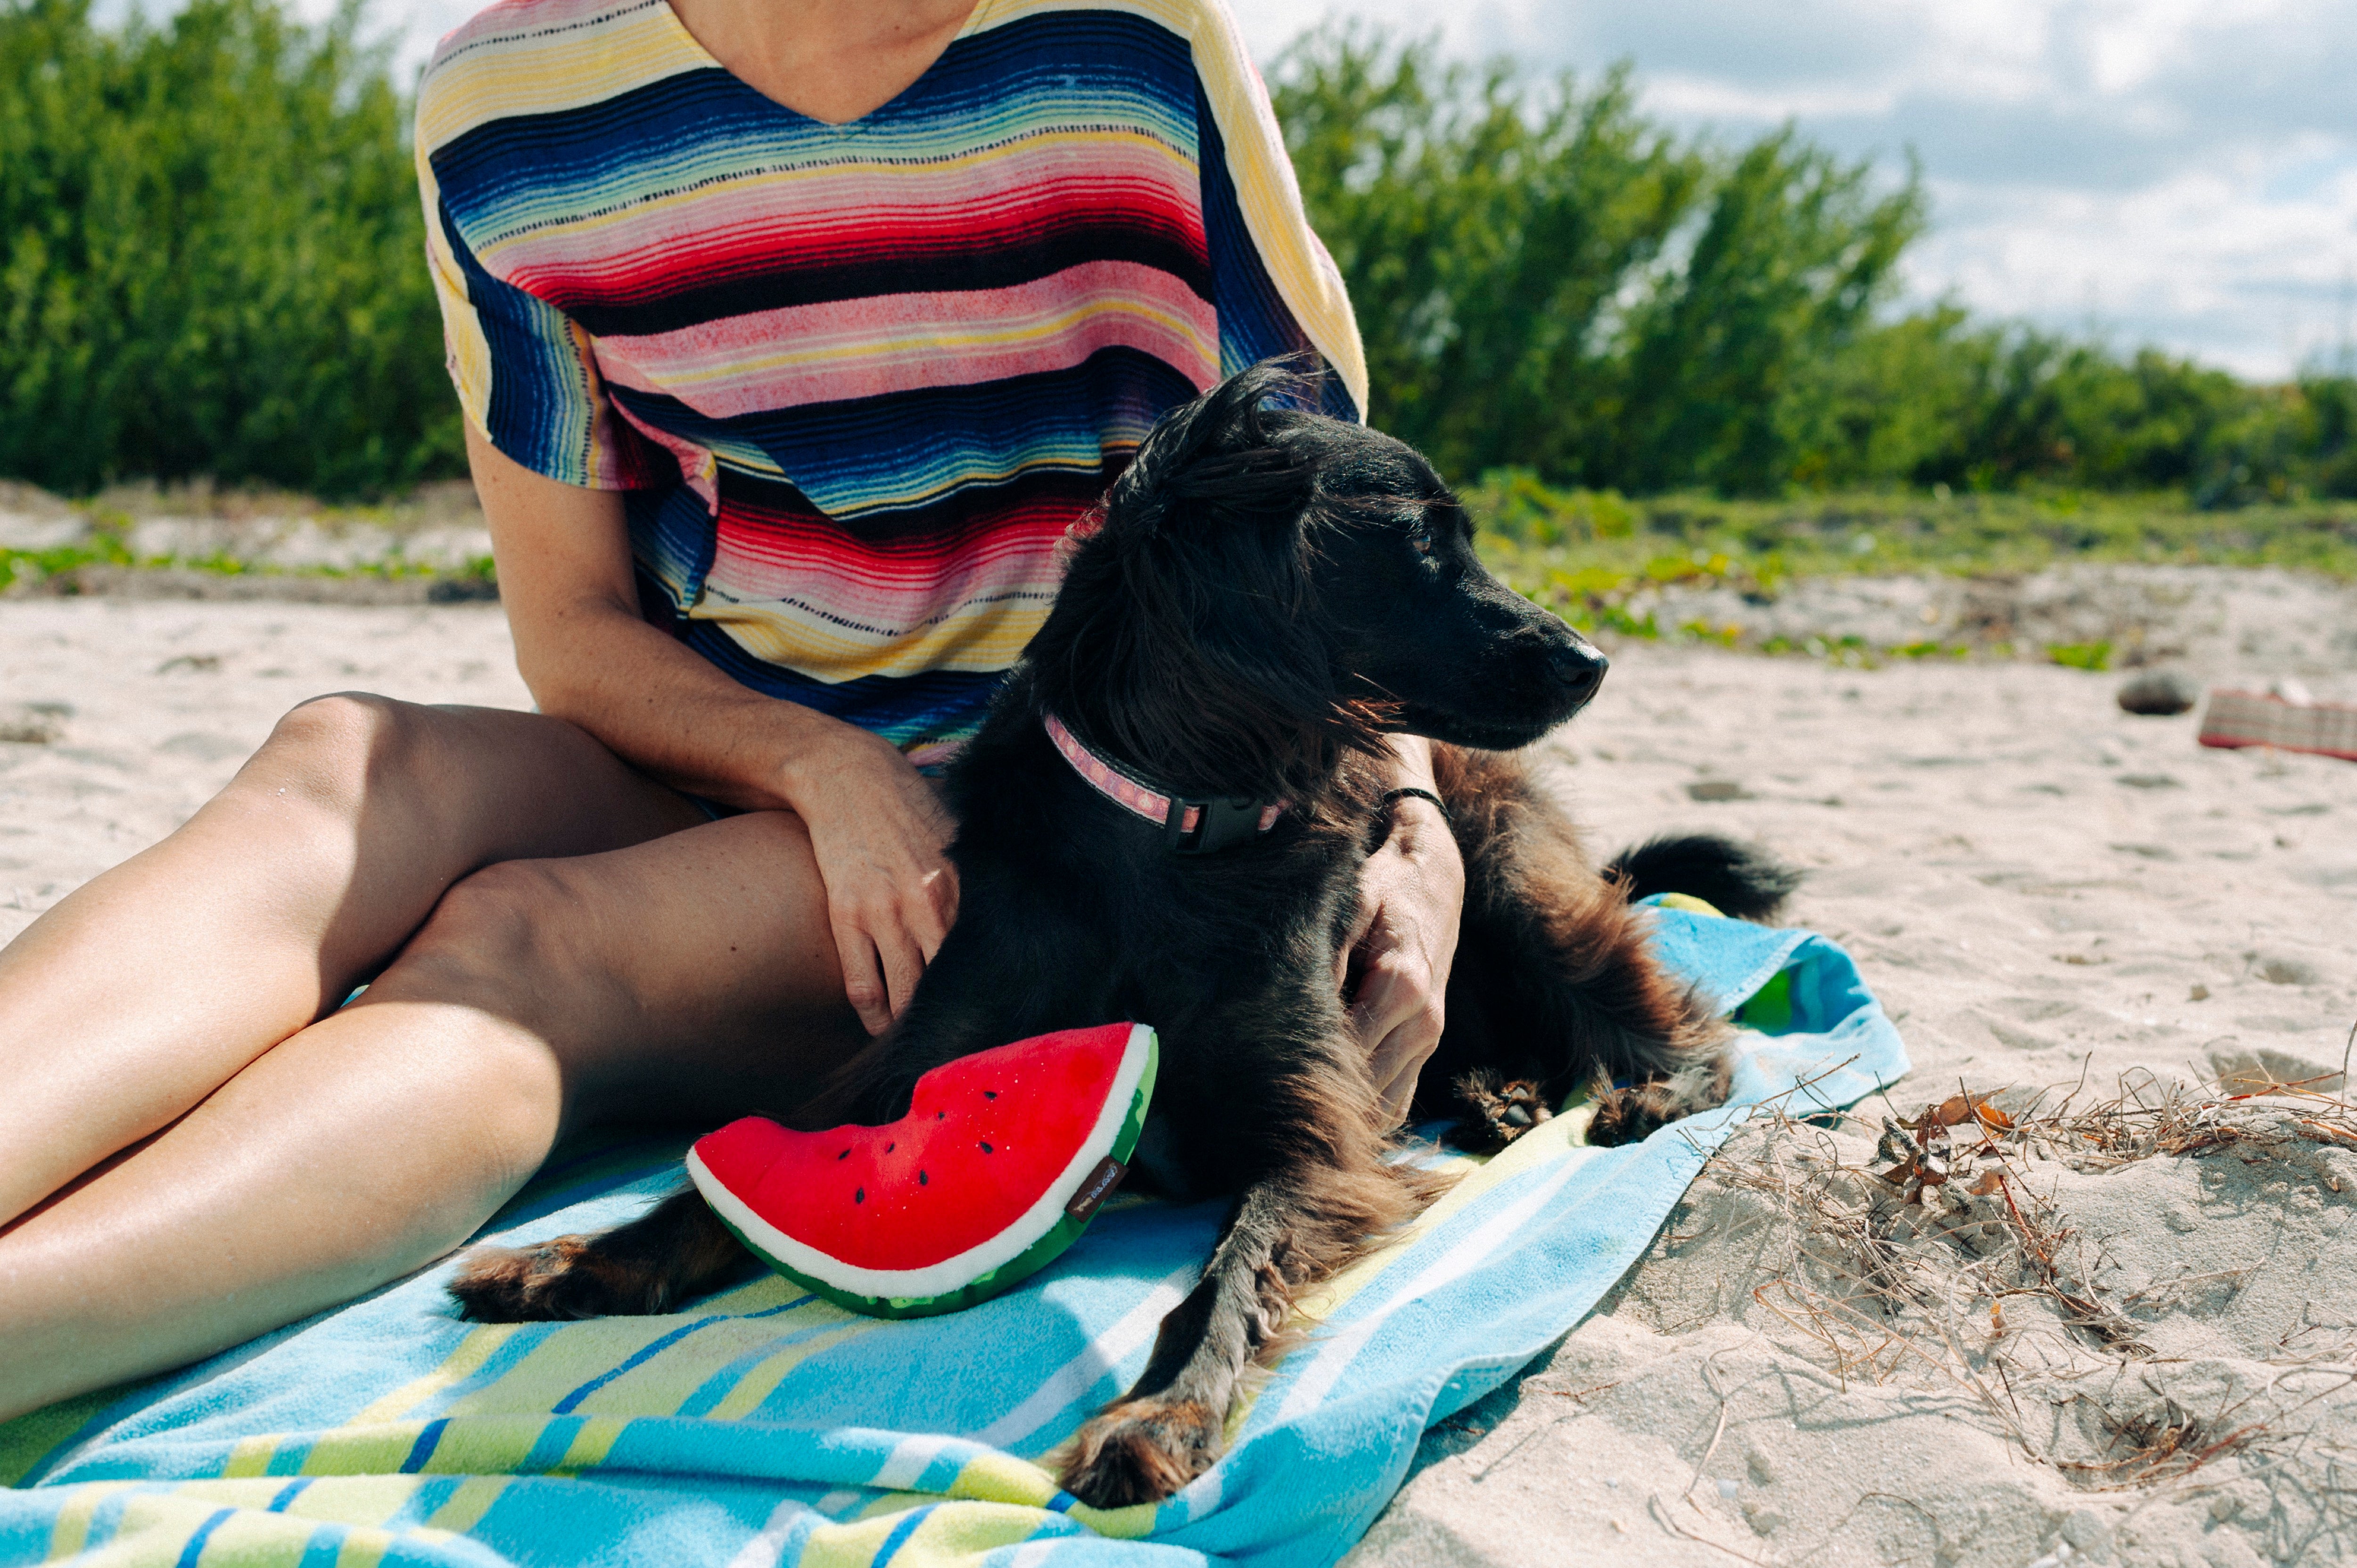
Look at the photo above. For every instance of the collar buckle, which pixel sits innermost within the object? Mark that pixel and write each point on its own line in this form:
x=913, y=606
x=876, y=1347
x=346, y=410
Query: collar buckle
x=1207, y=827
x=1188, y=827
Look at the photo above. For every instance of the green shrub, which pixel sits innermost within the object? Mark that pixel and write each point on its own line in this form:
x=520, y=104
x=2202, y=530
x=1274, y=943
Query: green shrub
x=1546, y=278
x=211, y=255
x=2093, y=656
x=1551, y=283
x=211, y=265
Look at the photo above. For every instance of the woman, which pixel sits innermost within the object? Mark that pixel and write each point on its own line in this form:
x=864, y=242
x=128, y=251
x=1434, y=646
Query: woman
x=791, y=336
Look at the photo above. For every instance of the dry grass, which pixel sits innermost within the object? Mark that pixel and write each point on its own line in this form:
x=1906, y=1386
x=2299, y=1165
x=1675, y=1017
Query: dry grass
x=1942, y=1259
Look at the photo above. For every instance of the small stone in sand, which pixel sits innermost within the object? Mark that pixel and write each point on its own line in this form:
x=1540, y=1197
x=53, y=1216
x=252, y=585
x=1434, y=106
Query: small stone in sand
x=1716, y=790
x=2158, y=693
x=2282, y=969
x=33, y=723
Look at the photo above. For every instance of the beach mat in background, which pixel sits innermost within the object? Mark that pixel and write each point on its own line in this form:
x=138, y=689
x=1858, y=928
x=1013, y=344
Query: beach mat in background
x=765, y=1427
x=2235, y=719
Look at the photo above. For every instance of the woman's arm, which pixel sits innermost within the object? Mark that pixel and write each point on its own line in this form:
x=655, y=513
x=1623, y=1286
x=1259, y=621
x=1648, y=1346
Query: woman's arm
x=1412, y=896
x=876, y=826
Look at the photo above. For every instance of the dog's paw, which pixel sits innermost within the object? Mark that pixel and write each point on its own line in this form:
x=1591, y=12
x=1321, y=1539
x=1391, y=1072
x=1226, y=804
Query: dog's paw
x=565, y=1278
x=1140, y=1451
x=1496, y=1114
x=1627, y=1115
x=1633, y=1114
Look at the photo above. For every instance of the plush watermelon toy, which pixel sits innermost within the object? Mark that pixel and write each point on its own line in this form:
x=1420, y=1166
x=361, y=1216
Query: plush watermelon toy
x=1001, y=1161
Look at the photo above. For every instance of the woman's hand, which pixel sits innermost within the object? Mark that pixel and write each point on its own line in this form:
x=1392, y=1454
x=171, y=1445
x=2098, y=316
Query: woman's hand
x=879, y=833
x=1395, y=967
x=876, y=827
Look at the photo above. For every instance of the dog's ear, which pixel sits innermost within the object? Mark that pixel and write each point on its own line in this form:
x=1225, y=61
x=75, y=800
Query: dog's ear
x=1182, y=639
x=1188, y=639
x=1218, y=451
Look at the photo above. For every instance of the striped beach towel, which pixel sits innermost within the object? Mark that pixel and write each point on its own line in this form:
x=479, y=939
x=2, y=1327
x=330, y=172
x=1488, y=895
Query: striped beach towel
x=762, y=1427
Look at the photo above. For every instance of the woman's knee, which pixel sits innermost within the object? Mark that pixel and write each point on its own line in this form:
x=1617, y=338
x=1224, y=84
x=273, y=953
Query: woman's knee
x=332, y=751
x=493, y=963
x=498, y=940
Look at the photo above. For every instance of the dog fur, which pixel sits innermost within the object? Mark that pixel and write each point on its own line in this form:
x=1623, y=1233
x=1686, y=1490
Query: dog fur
x=1266, y=594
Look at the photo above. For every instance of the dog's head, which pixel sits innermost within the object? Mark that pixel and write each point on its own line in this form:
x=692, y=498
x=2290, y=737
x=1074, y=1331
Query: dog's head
x=1267, y=588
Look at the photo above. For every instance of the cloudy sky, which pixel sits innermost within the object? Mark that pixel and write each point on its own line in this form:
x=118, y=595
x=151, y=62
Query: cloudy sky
x=2178, y=172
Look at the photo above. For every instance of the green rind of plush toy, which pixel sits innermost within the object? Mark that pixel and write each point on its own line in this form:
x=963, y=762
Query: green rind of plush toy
x=1008, y=1274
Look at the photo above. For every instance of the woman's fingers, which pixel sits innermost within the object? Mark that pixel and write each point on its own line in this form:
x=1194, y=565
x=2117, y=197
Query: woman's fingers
x=864, y=985
x=904, y=965
x=1399, y=1011
x=1399, y=1094
x=1353, y=950
x=884, y=945
x=880, y=836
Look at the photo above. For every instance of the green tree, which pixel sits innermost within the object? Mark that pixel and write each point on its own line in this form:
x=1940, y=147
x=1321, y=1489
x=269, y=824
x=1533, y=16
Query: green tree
x=1794, y=254
x=1545, y=277
x=211, y=256
x=1485, y=233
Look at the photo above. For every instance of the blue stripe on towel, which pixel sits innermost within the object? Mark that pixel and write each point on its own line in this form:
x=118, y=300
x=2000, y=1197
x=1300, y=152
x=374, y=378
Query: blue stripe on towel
x=899, y=1536
x=195, y=1547
x=640, y=1358
x=422, y=1449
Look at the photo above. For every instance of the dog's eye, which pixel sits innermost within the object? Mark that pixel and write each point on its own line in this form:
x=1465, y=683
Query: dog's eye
x=1421, y=542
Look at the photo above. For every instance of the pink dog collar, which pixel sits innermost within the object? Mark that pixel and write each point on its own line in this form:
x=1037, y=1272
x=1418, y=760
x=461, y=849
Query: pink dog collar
x=1189, y=827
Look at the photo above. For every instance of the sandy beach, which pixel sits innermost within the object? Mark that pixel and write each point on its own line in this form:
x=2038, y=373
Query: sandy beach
x=2044, y=891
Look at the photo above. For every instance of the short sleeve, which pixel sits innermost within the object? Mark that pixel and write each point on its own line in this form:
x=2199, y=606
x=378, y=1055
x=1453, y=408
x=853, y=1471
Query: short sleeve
x=1275, y=288
x=526, y=374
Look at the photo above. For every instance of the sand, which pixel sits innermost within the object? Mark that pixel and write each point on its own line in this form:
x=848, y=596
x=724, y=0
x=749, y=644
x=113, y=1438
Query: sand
x=128, y=714
x=2040, y=887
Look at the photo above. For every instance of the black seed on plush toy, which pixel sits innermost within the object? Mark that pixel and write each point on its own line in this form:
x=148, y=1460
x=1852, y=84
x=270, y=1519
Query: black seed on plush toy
x=923, y=1180
x=860, y=1195
x=845, y=1155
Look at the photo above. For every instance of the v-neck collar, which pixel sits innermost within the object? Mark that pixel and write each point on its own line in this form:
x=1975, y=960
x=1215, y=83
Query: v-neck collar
x=974, y=22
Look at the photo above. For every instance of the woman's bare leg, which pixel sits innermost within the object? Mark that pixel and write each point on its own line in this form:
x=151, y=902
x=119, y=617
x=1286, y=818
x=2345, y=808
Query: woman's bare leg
x=694, y=975
x=156, y=982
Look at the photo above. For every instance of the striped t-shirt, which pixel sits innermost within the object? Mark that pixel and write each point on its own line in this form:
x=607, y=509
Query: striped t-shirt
x=858, y=380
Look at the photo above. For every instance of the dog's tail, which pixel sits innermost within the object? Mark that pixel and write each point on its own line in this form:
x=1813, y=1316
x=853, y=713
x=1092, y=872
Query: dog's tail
x=1734, y=877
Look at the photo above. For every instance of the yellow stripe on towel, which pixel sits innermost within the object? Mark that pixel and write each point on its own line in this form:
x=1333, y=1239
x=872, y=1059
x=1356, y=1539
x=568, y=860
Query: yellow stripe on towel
x=469, y=1359
x=1560, y=1137
x=465, y=1507
x=952, y=1535
x=763, y=1380
x=72, y=1529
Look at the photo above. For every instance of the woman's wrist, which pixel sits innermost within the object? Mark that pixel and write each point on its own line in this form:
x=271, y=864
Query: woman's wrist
x=1411, y=763
x=1411, y=798
x=809, y=751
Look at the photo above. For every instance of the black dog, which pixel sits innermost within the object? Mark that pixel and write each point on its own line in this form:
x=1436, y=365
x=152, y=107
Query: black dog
x=1269, y=593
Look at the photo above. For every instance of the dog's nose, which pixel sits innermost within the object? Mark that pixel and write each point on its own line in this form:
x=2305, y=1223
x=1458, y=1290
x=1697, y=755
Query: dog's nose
x=1578, y=668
